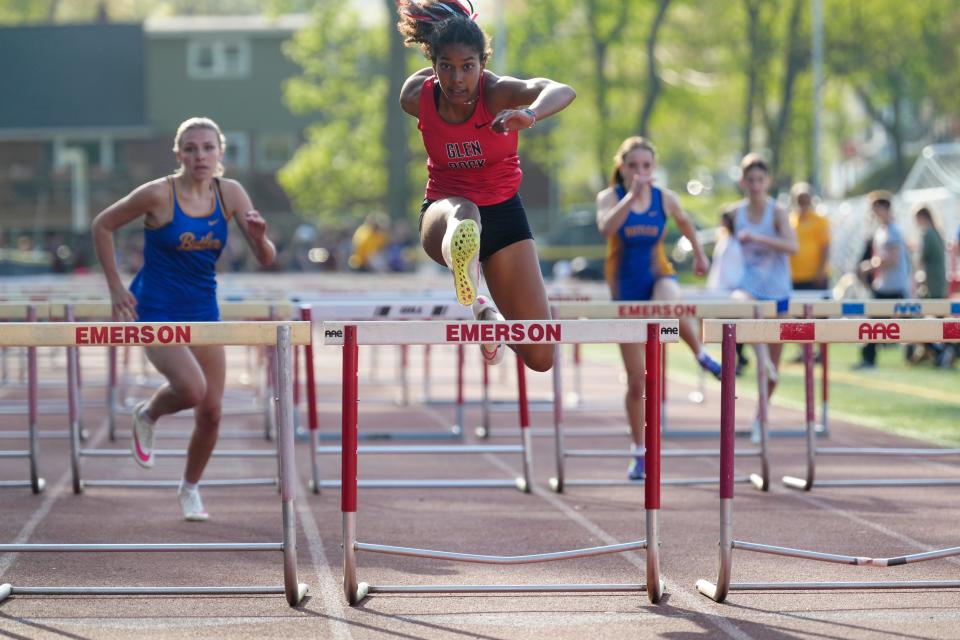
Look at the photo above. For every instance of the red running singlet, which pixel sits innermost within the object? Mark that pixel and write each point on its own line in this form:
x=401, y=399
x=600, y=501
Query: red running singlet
x=467, y=160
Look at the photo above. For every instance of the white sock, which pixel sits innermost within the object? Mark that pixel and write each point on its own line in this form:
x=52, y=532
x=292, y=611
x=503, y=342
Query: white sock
x=188, y=486
x=702, y=354
x=637, y=450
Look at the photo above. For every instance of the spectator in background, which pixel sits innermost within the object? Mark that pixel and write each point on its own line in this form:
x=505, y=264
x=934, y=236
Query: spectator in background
x=889, y=266
x=931, y=274
x=726, y=269
x=808, y=266
x=931, y=281
x=369, y=241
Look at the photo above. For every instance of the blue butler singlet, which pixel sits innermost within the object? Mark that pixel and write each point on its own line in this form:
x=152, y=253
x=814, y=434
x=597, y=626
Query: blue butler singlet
x=177, y=282
x=636, y=258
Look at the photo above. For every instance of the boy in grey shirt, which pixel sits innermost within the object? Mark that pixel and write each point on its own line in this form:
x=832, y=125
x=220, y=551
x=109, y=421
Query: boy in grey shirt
x=890, y=264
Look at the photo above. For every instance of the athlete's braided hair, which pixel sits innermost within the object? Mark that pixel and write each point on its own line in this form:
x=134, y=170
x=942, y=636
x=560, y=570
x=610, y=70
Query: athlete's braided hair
x=436, y=24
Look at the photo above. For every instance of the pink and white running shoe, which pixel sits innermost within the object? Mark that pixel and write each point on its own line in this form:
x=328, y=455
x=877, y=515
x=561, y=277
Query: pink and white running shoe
x=141, y=441
x=483, y=309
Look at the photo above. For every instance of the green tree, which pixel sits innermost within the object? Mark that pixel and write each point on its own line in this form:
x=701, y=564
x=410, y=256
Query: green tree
x=341, y=167
x=896, y=58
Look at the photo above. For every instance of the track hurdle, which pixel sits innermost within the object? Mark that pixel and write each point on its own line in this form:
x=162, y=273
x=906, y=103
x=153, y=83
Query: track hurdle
x=281, y=336
x=806, y=332
x=699, y=309
x=894, y=309
x=906, y=308
x=77, y=452
x=518, y=332
x=36, y=483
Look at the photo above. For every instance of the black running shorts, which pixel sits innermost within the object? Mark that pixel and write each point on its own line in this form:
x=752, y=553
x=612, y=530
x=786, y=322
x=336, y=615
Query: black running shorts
x=501, y=225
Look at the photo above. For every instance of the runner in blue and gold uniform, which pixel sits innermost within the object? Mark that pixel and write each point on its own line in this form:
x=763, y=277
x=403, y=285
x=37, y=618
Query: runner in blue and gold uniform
x=185, y=229
x=632, y=214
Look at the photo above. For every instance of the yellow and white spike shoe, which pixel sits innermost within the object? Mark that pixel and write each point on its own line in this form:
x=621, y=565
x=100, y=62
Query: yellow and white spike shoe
x=483, y=309
x=461, y=250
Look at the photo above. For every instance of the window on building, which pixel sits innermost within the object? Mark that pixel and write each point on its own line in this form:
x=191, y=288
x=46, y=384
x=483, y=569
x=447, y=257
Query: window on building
x=274, y=150
x=218, y=59
x=237, y=156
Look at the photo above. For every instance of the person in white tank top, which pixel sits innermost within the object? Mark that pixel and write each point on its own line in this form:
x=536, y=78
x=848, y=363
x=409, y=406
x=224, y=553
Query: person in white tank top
x=767, y=241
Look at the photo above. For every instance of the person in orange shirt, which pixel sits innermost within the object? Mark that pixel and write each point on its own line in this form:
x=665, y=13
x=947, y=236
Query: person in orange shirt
x=808, y=266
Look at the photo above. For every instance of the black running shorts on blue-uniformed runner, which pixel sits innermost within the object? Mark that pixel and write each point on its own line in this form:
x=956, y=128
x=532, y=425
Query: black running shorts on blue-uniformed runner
x=501, y=225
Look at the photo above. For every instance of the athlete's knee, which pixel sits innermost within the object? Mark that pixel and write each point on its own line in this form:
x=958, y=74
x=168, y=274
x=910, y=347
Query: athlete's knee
x=539, y=359
x=192, y=394
x=208, y=414
x=635, y=386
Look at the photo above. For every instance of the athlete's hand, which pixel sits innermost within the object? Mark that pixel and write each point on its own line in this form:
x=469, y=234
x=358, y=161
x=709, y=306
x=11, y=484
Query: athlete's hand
x=745, y=236
x=701, y=265
x=512, y=120
x=639, y=184
x=256, y=225
x=124, y=305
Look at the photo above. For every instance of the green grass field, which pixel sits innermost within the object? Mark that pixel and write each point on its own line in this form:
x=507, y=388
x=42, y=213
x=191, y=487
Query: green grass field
x=912, y=400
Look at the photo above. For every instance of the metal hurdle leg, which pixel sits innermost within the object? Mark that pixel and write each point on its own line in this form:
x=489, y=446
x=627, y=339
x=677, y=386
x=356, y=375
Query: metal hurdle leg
x=355, y=591
x=293, y=590
x=524, y=483
x=806, y=484
x=762, y=480
x=35, y=482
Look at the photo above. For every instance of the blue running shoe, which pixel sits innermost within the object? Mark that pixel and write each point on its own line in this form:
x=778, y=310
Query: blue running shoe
x=636, y=470
x=709, y=365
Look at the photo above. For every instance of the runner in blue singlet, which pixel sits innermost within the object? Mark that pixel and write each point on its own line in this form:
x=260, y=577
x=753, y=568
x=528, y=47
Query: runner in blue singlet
x=185, y=229
x=632, y=214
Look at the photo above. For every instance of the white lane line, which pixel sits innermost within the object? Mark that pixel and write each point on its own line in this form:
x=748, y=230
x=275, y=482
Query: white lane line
x=686, y=599
x=52, y=495
x=328, y=586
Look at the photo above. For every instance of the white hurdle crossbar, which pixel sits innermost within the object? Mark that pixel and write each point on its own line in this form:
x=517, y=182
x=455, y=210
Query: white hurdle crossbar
x=806, y=332
x=281, y=336
x=695, y=308
x=516, y=332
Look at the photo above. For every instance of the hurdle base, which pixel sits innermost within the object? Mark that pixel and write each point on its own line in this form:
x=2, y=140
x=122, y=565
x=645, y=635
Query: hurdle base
x=557, y=487
x=759, y=482
x=24, y=484
x=889, y=482
x=517, y=483
x=455, y=433
x=799, y=484
x=829, y=586
x=507, y=588
x=710, y=590
x=173, y=484
x=8, y=590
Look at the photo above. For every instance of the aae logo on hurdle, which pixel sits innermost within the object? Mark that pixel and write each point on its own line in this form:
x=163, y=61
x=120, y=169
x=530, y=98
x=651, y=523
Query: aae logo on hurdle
x=879, y=331
x=133, y=334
